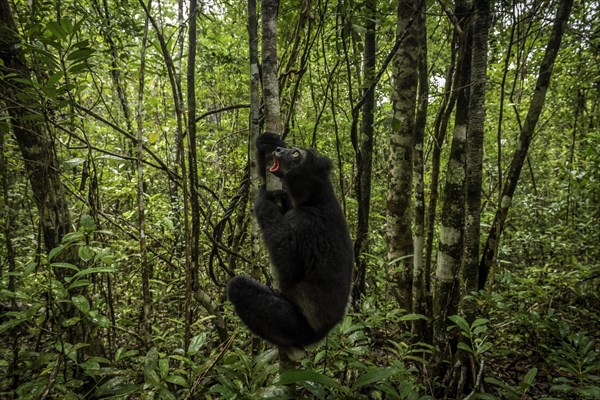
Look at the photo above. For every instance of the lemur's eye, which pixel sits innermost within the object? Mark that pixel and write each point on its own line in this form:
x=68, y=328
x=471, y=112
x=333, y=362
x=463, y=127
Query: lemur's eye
x=296, y=154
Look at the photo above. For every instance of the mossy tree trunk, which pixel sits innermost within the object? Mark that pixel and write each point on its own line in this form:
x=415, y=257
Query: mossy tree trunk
x=404, y=97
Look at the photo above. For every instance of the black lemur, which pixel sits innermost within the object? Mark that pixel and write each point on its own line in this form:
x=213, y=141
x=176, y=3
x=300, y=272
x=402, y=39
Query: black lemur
x=310, y=248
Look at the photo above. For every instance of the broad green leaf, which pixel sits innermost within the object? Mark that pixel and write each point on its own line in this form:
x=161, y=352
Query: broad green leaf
x=196, y=343
x=122, y=354
x=56, y=30
x=530, y=377
x=67, y=25
x=81, y=54
x=65, y=265
x=460, y=322
x=73, y=162
x=81, y=303
x=374, y=375
x=54, y=252
x=85, y=253
x=300, y=376
x=177, y=380
x=97, y=270
x=79, y=283
x=71, y=321
x=484, y=347
x=465, y=347
x=479, y=321
x=412, y=317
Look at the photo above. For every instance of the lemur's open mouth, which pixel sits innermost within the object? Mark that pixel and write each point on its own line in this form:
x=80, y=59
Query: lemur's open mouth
x=275, y=166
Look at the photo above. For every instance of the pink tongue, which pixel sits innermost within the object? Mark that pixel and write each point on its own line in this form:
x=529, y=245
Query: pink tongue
x=275, y=166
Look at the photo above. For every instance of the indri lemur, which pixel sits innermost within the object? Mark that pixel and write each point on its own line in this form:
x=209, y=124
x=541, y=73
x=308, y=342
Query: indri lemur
x=310, y=249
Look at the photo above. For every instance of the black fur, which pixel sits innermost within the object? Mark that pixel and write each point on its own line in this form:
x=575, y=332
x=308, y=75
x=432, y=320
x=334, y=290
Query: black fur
x=311, y=252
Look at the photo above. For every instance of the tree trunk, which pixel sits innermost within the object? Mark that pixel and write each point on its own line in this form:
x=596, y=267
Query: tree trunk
x=270, y=9
x=527, y=131
x=474, y=156
x=270, y=83
x=192, y=282
x=445, y=296
x=254, y=126
x=146, y=294
x=419, y=276
x=364, y=155
x=399, y=218
x=34, y=142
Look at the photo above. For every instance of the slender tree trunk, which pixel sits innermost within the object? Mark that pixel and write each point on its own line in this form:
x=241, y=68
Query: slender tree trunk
x=271, y=103
x=254, y=130
x=192, y=282
x=146, y=271
x=440, y=128
x=399, y=217
x=364, y=155
x=527, y=131
x=474, y=156
x=270, y=82
x=446, y=284
x=466, y=362
x=419, y=276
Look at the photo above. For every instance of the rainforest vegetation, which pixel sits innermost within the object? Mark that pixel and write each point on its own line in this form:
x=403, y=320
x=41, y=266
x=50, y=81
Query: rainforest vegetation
x=465, y=142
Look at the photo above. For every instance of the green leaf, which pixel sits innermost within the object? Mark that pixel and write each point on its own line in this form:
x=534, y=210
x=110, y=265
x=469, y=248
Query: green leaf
x=97, y=270
x=73, y=162
x=79, y=283
x=299, y=376
x=465, y=347
x=85, y=253
x=55, y=251
x=196, y=343
x=102, y=321
x=412, y=317
x=67, y=25
x=81, y=303
x=56, y=30
x=65, y=265
x=73, y=237
x=530, y=377
x=71, y=322
x=177, y=380
x=122, y=354
x=484, y=347
x=87, y=223
x=479, y=321
x=374, y=375
x=80, y=54
x=460, y=322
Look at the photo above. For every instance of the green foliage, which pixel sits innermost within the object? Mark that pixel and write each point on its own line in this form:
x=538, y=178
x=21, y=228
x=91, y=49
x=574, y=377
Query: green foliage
x=579, y=364
x=475, y=334
x=71, y=320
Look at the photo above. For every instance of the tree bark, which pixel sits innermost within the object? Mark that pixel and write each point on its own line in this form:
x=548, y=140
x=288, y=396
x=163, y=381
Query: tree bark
x=192, y=282
x=270, y=9
x=364, y=155
x=399, y=217
x=34, y=142
x=146, y=294
x=445, y=296
x=419, y=276
x=474, y=156
x=254, y=126
x=474, y=159
x=525, y=137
